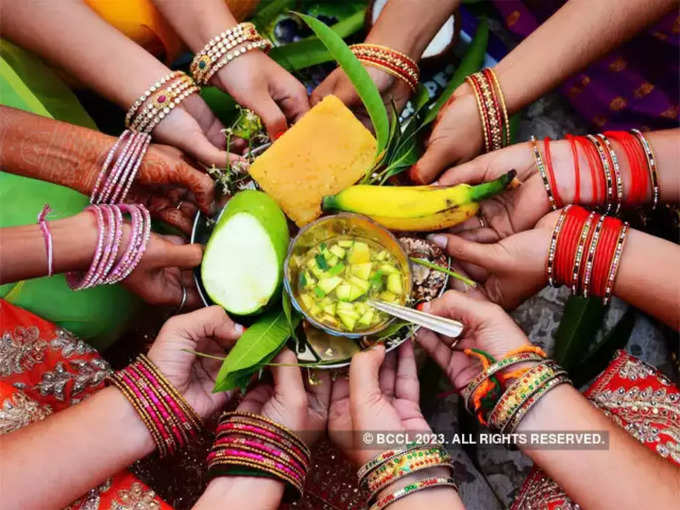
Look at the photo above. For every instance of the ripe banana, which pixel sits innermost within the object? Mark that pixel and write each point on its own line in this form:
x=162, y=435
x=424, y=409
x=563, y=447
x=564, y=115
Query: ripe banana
x=417, y=208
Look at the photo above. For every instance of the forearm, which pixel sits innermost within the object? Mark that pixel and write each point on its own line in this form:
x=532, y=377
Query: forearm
x=241, y=492
x=412, y=37
x=24, y=255
x=576, y=35
x=49, y=150
x=625, y=475
x=197, y=22
x=52, y=462
x=71, y=36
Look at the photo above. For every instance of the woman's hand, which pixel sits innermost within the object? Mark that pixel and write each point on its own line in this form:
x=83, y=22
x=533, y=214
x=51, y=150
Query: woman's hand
x=257, y=82
x=164, y=273
x=486, y=327
x=210, y=331
x=392, y=90
x=456, y=137
x=287, y=401
x=377, y=396
x=508, y=271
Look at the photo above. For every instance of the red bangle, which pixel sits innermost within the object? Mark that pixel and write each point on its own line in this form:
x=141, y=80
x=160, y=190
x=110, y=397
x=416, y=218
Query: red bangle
x=604, y=254
x=595, y=164
x=551, y=173
x=577, y=169
x=651, y=166
x=581, y=247
x=639, y=178
x=615, y=169
x=565, y=254
x=496, y=100
x=483, y=111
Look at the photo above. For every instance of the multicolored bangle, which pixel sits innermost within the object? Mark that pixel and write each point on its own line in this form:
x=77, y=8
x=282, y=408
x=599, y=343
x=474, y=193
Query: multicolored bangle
x=259, y=44
x=550, y=267
x=528, y=403
x=606, y=170
x=384, y=457
x=170, y=420
x=391, y=61
x=255, y=442
x=132, y=111
x=580, y=248
x=110, y=232
x=492, y=109
x=542, y=171
x=590, y=258
x=412, y=488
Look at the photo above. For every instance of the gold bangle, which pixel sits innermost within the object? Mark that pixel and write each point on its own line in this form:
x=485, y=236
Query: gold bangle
x=497, y=84
x=480, y=108
x=388, y=70
x=159, y=102
x=580, y=247
x=590, y=259
x=260, y=44
x=606, y=169
x=492, y=112
x=545, y=387
x=617, y=171
x=614, y=266
x=651, y=166
x=142, y=99
x=550, y=269
x=256, y=419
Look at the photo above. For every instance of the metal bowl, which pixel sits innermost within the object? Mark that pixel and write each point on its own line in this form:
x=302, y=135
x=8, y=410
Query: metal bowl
x=326, y=229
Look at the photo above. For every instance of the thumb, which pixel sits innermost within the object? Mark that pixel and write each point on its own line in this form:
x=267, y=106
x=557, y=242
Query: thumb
x=363, y=374
x=185, y=256
x=437, y=157
x=272, y=117
x=483, y=255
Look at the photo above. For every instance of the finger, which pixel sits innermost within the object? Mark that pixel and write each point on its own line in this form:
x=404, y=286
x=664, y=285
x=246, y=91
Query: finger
x=340, y=389
x=471, y=172
x=320, y=391
x=407, y=385
x=437, y=157
x=296, y=101
x=388, y=374
x=272, y=117
x=200, y=148
x=176, y=218
x=478, y=274
x=481, y=235
x=471, y=310
x=185, y=256
x=256, y=398
x=288, y=378
x=199, y=183
x=325, y=88
x=208, y=322
x=433, y=345
x=484, y=255
x=363, y=373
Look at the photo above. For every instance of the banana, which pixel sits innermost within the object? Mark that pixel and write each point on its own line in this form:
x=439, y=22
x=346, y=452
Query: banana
x=408, y=202
x=439, y=221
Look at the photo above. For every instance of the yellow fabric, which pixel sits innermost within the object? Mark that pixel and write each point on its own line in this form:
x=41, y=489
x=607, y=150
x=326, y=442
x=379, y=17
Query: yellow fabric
x=140, y=21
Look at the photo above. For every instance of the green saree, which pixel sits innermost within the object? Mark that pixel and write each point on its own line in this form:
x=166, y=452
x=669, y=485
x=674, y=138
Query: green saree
x=98, y=315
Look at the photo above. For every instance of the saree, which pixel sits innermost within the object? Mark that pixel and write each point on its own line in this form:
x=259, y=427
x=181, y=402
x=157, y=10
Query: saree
x=98, y=315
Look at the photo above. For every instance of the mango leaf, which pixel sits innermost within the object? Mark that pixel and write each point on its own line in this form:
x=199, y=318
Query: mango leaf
x=471, y=63
x=581, y=320
x=357, y=74
x=259, y=341
x=267, y=12
x=290, y=315
x=598, y=359
x=241, y=378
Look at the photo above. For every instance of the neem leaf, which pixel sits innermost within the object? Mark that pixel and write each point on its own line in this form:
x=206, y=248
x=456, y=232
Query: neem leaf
x=261, y=339
x=362, y=82
x=471, y=62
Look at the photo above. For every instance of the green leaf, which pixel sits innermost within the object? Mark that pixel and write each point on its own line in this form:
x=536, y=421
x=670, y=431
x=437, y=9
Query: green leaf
x=260, y=340
x=580, y=323
x=471, y=63
x=290, y=314
x=268, y=12
x=393, y=329
x=364, y=85
x=598, y=359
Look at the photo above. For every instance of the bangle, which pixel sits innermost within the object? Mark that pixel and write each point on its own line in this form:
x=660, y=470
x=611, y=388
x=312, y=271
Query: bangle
x=527, y=404
x=383, y=457
x=578, y=257
x=606, y=171
x=142, y=99
x=604, y=253
x=550, y=269
x=614, y=163
x=170, y=420
x=651, y=166
x=47, y=236
x=161, y=102
x=592, y=248
x=551, y=173
x=577, y=168
x=391, y=61
x=636, y=159
x=541, y=170
x=260, y=44
x=490, y=73
x=492, y=109
x=594, y=165
x=483, y=114
x=614, y=265
x=412, y=488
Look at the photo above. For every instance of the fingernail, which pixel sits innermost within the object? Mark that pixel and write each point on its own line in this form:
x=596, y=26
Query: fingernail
x=239, y=329
x=420, y=306
x=439, y=239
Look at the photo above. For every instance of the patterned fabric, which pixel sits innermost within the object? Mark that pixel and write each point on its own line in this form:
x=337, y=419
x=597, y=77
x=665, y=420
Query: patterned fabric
x=625, y=88
x=44, y=369
x=636, y=397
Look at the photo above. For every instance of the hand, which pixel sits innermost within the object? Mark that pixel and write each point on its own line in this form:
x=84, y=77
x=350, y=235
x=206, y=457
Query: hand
x=337, y=83
x=210, y=331
x=375, y=398
x=508, y=271
x=257, y=82
x=193, y=128
x=456, y=137
x=171, y=188
x=486, y=327
x=287, y=402
x=165, y=269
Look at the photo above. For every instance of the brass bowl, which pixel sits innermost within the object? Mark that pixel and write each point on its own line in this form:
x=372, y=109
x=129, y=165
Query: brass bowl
x=328, y=228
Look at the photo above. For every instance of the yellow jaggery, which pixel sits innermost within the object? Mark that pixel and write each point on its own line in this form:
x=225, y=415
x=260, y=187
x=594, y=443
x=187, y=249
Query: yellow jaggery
x=326, y=151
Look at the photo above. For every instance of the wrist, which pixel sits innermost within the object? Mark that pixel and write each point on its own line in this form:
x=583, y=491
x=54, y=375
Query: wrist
x=129, y=423
x=423, y=474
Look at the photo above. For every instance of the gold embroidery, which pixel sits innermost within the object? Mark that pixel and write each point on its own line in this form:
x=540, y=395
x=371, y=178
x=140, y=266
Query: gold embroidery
x=91, y=500
x=599, y=120
x=83, y=374
x=618, y=103
x=21, y=350
x=18, y=410
x=512, y=18
x=618, y=64
x=643, y=89
x=670, y=113
x=136, y=498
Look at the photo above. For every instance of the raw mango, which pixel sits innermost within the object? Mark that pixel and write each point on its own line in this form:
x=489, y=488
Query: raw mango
x=242, y=267
x=326, y=151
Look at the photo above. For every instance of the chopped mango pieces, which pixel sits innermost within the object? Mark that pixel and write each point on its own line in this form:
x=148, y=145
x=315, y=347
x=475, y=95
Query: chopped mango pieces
x=326, y=151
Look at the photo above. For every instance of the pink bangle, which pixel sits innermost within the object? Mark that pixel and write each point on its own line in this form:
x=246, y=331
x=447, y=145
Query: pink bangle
x=47, y=236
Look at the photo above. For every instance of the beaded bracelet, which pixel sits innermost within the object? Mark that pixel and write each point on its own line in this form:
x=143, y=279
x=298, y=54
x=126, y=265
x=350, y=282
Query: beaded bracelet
x=412, y=488
x=161, y=103
x=525, y=407
x=391, y=61
x=255, y=442
x=384, y=457
x=260, y=44
x=541, y=170
x=142, y=99
x=170, y=420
